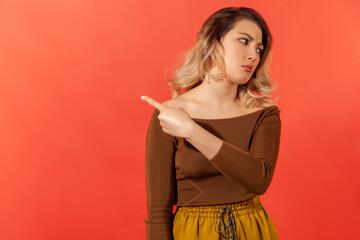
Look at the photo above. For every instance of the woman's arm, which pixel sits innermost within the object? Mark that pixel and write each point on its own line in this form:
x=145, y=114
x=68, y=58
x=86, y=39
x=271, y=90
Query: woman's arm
x=253, y=170
x=160, y=181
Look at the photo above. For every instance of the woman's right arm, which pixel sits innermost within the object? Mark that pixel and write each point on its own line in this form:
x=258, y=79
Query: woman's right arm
x=160, y=181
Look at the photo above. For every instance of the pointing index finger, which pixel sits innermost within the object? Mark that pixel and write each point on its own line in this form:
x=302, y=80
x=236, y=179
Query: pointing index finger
x=154, y=103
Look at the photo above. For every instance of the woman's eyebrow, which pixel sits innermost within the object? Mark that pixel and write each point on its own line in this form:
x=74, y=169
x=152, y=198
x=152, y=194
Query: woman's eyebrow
x=251, y=38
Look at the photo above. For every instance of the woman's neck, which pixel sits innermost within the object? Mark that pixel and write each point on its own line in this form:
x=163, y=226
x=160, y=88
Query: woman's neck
x=220, y=93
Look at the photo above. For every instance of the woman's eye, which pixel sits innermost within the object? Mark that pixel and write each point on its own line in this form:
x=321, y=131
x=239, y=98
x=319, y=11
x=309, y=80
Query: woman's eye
x=244, y=40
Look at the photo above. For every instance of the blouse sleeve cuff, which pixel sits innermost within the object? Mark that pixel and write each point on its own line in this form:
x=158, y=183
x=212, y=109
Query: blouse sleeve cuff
x=219, y=153
x=227, y=151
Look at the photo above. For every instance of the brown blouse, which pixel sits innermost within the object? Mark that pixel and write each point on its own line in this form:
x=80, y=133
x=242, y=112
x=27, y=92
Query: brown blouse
x=177, y=173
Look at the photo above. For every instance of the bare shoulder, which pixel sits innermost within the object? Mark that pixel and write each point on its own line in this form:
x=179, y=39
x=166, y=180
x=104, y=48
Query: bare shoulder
x=185, y=101
x=174, y=102
x=267, y=102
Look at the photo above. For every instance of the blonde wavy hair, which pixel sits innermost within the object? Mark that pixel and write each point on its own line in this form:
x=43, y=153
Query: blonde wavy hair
x=206, y=54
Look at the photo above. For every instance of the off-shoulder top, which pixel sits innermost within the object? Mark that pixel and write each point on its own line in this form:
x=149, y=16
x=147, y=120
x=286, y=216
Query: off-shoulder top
x=177, y=173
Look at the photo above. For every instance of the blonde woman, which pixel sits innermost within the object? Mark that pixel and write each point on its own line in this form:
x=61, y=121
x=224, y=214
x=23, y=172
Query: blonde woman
x=212, y=149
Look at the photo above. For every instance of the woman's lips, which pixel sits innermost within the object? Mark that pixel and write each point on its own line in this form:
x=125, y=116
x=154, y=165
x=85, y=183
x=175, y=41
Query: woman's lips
x=247, y=68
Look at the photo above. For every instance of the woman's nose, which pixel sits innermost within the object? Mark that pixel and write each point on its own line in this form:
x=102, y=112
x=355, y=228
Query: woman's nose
x=252, y=55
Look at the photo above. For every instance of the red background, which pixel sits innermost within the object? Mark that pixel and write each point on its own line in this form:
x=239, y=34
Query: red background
x=73, y=127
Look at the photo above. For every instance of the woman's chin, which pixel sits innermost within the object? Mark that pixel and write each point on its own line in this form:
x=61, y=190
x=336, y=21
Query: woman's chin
x=242, y=81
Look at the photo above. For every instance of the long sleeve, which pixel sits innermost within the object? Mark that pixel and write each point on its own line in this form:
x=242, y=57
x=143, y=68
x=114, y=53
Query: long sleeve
x=160, y=181
x=253, y=170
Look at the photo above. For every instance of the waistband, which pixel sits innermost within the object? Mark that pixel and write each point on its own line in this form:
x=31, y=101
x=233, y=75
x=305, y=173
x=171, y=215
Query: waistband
x=218, y=212
x=238, y=208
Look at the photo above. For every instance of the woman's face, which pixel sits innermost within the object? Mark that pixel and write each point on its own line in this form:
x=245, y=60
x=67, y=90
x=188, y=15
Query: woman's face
x=242, y=46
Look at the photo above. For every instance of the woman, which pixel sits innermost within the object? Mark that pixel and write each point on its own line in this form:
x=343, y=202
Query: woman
x=212, y=150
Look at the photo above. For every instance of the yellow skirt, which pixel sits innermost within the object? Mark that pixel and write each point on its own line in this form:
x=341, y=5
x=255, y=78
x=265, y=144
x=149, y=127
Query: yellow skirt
x=234, y=221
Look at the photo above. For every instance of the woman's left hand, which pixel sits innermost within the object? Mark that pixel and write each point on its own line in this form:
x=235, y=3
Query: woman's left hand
x=174, y=121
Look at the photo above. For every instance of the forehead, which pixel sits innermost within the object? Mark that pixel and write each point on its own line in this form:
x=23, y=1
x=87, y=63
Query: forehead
x=248, y=27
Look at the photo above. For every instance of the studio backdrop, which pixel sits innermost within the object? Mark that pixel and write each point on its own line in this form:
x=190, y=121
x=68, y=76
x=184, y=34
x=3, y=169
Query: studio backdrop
x=73, y=126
